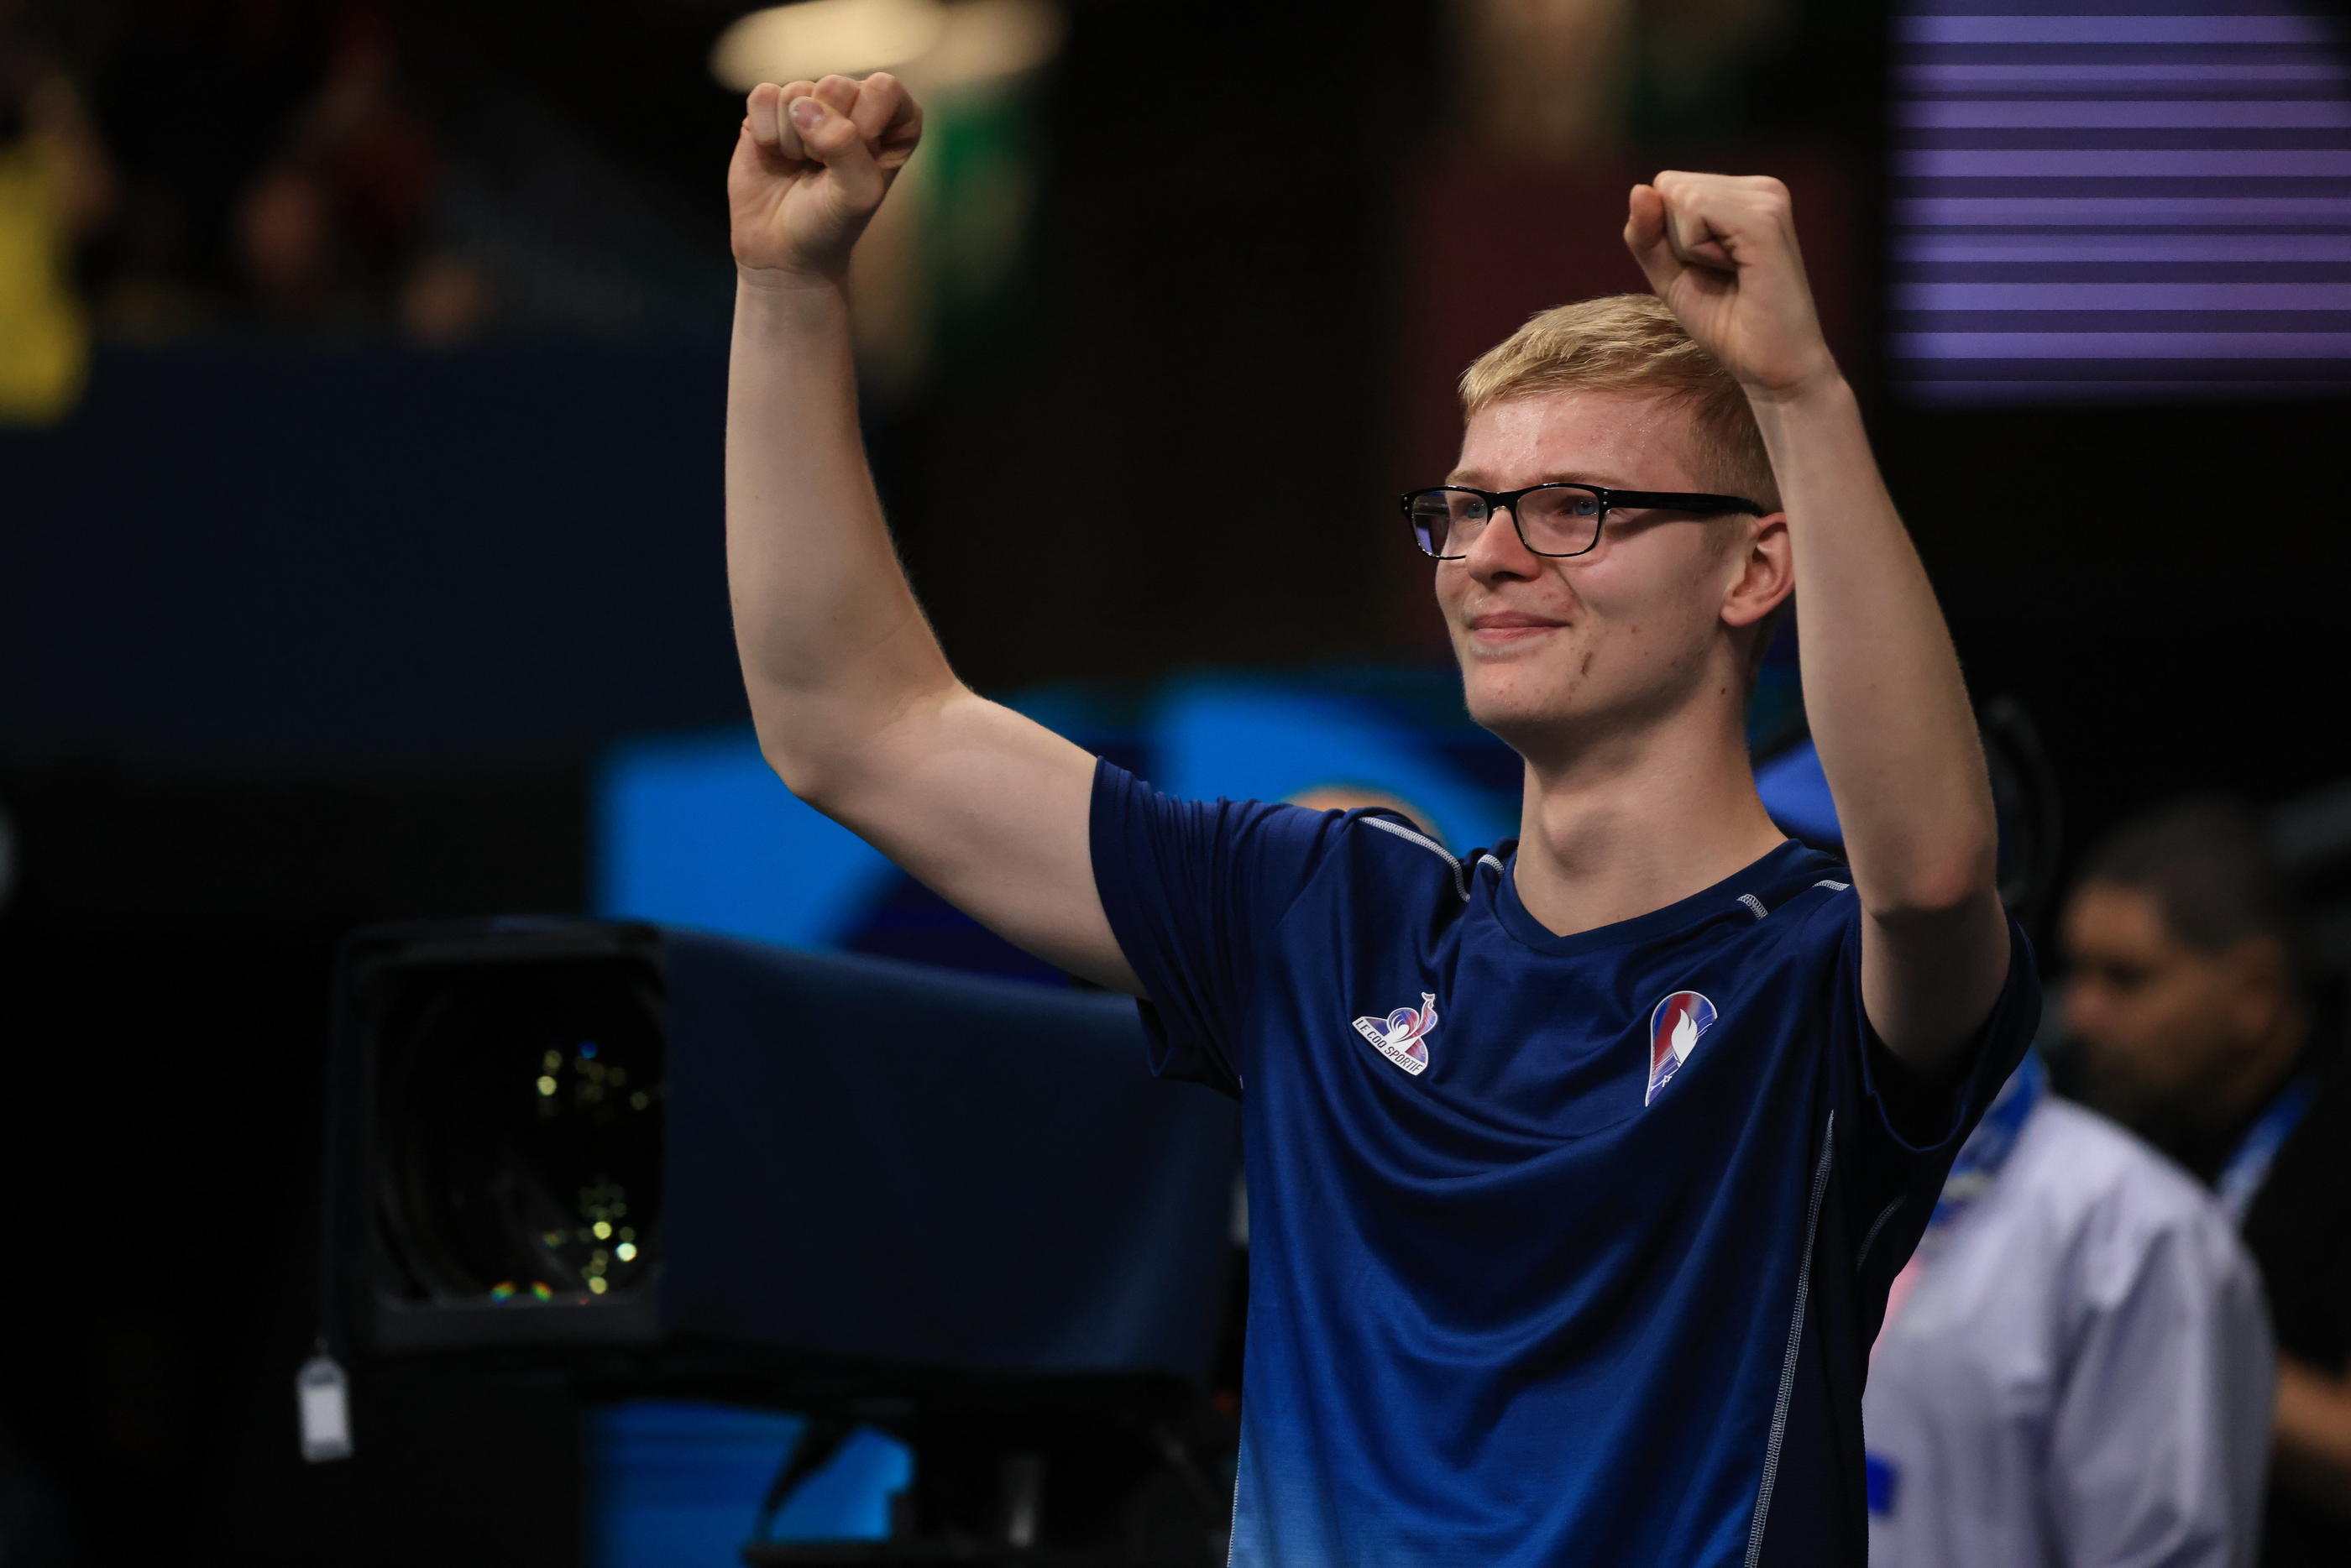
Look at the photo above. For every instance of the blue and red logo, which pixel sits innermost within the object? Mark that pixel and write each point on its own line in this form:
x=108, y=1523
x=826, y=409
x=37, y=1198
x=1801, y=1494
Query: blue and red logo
x=1402, y=1035
x=1674, y=1031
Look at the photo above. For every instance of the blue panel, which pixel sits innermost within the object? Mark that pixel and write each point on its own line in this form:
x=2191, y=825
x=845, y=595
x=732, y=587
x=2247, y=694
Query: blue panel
x=677, y=1485
x=338, y=552
x=697, y=831
x=1271, y=739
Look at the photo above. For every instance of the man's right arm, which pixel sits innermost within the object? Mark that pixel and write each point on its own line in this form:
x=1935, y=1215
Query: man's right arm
x=855, y=705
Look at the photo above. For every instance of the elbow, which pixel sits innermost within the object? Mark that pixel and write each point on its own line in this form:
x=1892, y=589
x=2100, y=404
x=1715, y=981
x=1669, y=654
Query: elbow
x=805, y=782
x=804, y=771
x=805, y=765
x=830, y=752
x=830, y=758
x=807, y=741
x=1935, y=884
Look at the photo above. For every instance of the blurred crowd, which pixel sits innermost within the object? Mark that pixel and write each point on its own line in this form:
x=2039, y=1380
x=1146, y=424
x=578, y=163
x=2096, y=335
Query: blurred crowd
x=173, y=169
x=206, y=163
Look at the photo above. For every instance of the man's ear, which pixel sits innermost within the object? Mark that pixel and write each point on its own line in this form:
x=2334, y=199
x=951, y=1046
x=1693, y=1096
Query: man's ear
x=1767, y=572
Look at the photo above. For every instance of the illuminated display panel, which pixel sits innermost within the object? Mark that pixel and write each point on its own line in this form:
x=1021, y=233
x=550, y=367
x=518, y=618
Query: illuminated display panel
x=2132, y=199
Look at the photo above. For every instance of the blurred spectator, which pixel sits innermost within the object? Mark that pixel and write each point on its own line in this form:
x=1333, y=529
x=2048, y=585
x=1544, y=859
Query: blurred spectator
x=2192, y=1017
x=55, y=189
x=274, y=171
x=2075, y=1368
x=345, y=169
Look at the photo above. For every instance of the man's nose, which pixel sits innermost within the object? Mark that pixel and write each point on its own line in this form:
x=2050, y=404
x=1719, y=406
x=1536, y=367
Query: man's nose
x=1497, y=551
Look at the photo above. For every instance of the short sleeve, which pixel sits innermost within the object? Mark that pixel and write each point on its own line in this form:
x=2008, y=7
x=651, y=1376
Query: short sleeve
x=1193, y=891
x=1906, y=1136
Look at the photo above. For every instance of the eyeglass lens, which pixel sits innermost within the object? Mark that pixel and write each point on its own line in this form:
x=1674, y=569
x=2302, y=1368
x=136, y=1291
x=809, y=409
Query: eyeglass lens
x=1559, y=519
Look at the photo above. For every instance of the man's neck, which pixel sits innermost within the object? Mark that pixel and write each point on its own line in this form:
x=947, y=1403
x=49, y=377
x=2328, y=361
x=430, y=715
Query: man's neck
x=2229, y=1108
x=1637, y=823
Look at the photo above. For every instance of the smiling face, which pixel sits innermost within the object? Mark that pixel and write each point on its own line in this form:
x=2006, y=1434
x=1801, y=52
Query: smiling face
x=1555, y=649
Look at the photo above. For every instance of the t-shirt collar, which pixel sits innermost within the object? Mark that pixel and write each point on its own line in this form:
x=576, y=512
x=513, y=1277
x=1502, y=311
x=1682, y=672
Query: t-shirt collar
x=1701, y=908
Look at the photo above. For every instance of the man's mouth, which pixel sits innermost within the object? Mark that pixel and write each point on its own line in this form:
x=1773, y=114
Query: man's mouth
x=1508, y=629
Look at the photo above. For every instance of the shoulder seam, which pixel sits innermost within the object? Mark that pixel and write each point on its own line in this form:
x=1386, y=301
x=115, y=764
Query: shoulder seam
x=1412, y=835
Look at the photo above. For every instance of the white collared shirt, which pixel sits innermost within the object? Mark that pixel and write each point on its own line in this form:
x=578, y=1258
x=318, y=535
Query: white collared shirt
x=2079, y=1376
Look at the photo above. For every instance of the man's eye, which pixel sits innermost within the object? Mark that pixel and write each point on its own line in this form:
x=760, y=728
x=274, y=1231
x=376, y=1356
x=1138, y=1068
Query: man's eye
x=2115, y=976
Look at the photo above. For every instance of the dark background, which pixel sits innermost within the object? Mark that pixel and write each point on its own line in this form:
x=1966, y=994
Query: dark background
x=306, y=626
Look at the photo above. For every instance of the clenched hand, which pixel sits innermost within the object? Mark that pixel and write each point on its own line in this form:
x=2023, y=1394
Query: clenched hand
x=812, y=164
x=1720, y=250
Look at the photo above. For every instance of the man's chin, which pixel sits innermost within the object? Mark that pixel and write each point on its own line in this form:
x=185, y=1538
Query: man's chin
x=1511, y=714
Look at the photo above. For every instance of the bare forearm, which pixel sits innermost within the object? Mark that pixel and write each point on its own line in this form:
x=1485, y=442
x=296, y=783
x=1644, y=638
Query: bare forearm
x=832, y=643
x=2314, y=1435
x=1890, y=711
x=1881, y=686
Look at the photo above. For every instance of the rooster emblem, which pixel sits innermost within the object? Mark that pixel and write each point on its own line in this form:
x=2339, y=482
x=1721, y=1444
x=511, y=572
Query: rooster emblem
x=1674, y=1031
x=1400, y=1036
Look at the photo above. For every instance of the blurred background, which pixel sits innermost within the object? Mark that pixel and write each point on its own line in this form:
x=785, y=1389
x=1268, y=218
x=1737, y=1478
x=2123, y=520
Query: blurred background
x=361, y=380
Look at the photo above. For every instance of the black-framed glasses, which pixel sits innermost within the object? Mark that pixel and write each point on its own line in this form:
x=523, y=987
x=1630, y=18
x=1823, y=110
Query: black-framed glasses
x=1554, y=519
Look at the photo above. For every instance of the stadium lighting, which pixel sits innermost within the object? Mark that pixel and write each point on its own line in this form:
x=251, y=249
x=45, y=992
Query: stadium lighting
x=934, y=46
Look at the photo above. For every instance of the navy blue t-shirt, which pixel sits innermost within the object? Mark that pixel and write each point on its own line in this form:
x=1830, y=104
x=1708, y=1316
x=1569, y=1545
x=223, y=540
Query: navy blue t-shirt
x=1565, y=1249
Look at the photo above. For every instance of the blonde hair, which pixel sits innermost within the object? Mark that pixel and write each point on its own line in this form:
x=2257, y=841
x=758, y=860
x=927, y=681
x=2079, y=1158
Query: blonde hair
x=1631, y=343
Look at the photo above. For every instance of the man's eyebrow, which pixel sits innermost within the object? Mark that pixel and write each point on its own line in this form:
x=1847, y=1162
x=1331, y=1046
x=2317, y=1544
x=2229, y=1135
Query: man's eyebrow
x=1469, y=477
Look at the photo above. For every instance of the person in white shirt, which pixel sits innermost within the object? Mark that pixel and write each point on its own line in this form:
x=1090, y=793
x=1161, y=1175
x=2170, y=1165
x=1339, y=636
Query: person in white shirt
x=2075, y=1368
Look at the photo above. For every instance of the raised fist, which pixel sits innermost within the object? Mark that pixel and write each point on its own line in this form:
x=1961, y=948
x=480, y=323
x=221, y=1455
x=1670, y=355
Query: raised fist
x=1720, y=250
x=811, y=165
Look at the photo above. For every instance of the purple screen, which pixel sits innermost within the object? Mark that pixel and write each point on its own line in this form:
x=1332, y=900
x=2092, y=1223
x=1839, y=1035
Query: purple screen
x=2129, y=200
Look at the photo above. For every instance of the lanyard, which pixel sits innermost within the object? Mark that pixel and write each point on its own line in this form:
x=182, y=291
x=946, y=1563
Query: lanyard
x=1989, y=1146
x=2240, y=1181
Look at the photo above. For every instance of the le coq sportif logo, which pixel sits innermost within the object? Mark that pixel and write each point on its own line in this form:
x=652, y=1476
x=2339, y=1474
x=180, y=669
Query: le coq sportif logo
x=1403, y=1036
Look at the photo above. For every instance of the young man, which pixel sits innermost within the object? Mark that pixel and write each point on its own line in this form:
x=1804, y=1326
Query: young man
x=1577, y=1171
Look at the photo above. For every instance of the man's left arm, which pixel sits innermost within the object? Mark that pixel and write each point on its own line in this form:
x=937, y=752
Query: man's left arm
x=1890, y=711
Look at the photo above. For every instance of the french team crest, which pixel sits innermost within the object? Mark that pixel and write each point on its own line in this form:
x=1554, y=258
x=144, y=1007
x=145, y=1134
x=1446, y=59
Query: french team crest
x=1674, y=1031
x=1403, y=1036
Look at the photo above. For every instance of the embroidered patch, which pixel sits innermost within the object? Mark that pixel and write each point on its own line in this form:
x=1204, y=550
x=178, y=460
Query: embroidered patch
x=1403, y=1036
x=1674, y=1031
